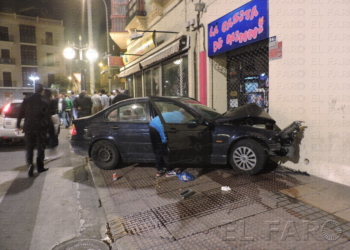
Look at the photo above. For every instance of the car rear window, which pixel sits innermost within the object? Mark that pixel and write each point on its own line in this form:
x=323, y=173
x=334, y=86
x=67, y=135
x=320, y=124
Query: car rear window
x=12, y=111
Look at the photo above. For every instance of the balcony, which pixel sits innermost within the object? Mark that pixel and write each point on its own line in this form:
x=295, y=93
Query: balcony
x=49, y=43
x=8, y=83
x=135, y=8
x=7, y=61
x=51, y=64
x=29, y=62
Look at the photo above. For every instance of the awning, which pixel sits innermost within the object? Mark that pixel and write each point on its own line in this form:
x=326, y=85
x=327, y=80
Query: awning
x=157, y=54
x=164, y=53
x=135, y=68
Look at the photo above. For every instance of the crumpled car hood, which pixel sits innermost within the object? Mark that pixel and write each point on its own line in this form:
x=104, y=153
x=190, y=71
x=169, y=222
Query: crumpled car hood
x=249, y=110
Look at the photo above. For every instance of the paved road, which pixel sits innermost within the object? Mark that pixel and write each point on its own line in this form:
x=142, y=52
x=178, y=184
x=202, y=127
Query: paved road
x=50, y=208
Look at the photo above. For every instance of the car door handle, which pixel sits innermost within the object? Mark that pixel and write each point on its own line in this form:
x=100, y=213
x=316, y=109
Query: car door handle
x=172, y=130
x=115, y=127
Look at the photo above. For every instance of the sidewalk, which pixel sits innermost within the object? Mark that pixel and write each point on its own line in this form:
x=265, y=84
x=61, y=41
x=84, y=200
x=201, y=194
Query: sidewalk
x=279, y=210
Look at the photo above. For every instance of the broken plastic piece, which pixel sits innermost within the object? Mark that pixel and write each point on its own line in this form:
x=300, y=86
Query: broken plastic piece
x=187, y=193
x=225, y=188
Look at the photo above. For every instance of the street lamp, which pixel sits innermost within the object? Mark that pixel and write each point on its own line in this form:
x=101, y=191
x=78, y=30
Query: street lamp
x=91, y=55
x=34, y=78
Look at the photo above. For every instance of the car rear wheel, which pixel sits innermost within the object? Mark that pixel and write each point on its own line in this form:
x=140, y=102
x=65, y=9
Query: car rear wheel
x=105, y=155
x=248, y=157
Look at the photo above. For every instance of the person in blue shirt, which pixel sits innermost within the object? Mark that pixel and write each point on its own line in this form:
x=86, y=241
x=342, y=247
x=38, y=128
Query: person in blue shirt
x=159, y=141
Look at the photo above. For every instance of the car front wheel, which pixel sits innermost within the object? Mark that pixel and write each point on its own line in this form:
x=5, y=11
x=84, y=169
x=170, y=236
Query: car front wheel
x=105, y=155
x=248, y=157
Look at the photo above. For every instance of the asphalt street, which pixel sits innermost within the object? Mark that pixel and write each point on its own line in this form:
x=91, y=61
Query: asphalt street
x=53, y=207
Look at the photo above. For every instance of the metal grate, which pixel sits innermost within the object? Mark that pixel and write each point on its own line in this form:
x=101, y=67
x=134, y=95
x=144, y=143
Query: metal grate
x=247, y=75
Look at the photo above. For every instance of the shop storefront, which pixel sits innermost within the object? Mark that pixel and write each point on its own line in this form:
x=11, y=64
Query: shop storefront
x=238, y=46
x=162, y=71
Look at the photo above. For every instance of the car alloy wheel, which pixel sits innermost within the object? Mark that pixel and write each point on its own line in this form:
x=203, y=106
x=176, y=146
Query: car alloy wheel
x=105, y=155
x=248, y=157
x=244, y=158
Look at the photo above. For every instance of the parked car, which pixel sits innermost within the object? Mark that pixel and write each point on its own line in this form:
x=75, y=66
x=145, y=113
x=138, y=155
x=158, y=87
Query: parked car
x=244, y=137
x=8, y=122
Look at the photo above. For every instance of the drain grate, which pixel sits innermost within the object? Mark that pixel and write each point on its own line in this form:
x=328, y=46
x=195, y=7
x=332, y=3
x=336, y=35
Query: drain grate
x=140, y=222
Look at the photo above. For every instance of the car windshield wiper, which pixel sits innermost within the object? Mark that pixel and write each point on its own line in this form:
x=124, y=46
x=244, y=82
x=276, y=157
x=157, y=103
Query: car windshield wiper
x=221, y=115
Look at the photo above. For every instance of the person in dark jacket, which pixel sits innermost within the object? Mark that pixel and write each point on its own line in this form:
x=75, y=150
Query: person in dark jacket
x=83, y=104
x=36, y=113
x=121, y=96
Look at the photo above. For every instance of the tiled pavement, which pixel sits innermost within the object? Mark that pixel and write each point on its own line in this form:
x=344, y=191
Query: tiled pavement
x=279, y=210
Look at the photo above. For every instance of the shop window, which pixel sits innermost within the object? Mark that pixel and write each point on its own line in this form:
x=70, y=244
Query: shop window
x=247, y=75
x=138, y=85
x=130, y=84
x=152, y=79
x=175, y=77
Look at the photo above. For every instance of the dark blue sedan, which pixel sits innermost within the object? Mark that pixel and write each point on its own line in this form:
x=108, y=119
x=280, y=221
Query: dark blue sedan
x=244, y=137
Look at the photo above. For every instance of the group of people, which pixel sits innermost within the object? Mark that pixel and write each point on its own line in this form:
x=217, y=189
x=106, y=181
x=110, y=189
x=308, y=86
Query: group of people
x=38, y=108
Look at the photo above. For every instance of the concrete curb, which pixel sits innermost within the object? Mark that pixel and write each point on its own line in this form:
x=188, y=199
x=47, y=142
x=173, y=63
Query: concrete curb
x=108, y=205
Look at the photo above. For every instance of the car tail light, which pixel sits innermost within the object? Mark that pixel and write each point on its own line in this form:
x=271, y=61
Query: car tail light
x=74, y=130
x=6, y=108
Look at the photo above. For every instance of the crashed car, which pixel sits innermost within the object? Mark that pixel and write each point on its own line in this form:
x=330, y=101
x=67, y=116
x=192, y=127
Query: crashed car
x=244, y=137
x=8, y=122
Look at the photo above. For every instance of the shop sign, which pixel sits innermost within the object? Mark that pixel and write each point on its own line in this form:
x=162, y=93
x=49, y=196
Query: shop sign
x=275, y=50
x=116, y=61
x=139, y=47
x=245, y=25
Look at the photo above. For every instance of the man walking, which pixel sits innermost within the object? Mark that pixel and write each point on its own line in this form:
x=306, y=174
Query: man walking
x=121, y=96
x=104, y=99
x=36, y=113
x=83, y=104
x=72, y=97
x=96, y=103
x=62, y=106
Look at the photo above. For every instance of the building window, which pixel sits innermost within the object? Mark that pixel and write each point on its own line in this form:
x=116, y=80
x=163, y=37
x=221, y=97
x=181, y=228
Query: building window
x=7, y=79
x=152, y=81
x=120, y=1
x=5, y=56
x=27, y=34
x=51, y=79
x=49, y=39
x=4, y=33
x=175, y=77
x=26, y=73
x=119, y=10
x=28, y=55
x=118, y=24
x=50, y=60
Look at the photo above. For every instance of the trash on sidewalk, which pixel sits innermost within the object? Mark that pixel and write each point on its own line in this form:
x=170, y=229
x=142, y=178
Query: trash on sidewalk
x=187, y=193
x=115, y=177
x=225, y=188
x=185, y=176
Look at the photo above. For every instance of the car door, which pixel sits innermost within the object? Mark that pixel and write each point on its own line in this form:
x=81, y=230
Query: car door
x=188, y=140
x=127, y=124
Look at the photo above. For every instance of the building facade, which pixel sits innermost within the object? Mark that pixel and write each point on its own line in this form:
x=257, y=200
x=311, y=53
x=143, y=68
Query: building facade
x=30, y=47
x=291, y=57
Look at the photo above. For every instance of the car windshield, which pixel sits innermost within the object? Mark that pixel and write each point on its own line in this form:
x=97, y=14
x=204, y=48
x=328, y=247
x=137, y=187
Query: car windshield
x=205, y=111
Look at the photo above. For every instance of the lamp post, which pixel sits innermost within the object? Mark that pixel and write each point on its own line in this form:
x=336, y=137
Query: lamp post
x=91, y=55
x=34, y=78
x=108, y=50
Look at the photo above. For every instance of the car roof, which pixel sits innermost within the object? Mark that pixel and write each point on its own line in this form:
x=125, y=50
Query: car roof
x=17, y=101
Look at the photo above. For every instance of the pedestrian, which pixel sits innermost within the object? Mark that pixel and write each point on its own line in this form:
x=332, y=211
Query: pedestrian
x=62, y=106
x=69, y=110
x=121, y=96
x=96, y=103
x=72, y=97
x=159, y=141
x=35, y=111
x=111, y=97
x=83, y=104
x=53, y=106
x=104, y=99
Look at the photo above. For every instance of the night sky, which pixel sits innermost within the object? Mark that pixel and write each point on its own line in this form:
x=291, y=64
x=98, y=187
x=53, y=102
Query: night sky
x=72, y=14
